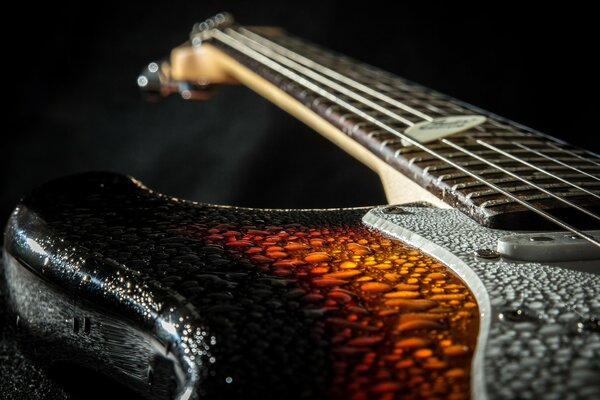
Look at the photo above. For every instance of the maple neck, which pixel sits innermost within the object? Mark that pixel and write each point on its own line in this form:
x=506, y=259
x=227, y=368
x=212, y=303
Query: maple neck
x=502, y=174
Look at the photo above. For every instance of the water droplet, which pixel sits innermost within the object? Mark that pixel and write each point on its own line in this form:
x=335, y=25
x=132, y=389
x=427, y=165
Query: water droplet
x=412, y=342
x=456, y=350
x=436, y=276
x=359, y=249
x=382, y=266
x=391, y=277
x=365, y=341
x=405, y=363
x=296, y=246
x=239, y=243
x=326, y=282
x=276, y=254
x=343, y=274
x=454, y=296
x=316, y=242
x=348, y=265
x=418, y=324
x=375, y=287
x=228, y=379
x=340, y=297
x=291, y=262
x=319, y=270
x=317, y=257
x=261, y=259
x=455, y=373
x=423, y=353
x=402, y=295
x=404, y=286
x=312, y=297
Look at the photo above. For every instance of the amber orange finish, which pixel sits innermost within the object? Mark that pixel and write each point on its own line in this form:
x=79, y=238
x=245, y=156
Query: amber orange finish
x=399, y=323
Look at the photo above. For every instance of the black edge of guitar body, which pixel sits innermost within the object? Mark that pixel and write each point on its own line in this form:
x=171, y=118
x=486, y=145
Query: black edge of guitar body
x=89, y=286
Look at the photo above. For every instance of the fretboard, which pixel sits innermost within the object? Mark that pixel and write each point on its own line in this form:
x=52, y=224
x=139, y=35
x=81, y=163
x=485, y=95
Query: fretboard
x=375, y=108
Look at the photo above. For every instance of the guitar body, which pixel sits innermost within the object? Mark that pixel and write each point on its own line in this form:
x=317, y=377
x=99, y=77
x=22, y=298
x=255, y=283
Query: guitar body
x=464, y=289
x=173, y=298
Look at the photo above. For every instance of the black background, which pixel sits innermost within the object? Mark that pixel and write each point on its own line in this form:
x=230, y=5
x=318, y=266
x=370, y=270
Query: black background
x=75, y=105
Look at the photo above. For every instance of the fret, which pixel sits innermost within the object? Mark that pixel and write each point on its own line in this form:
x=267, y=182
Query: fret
x=486, y=172
x=456, y=154
x=390, y=142
x=464, y=182
x=542, y=163
x=510, y=180
x=524, y=188
x=377, y=132
x=502, y=201
x=411, y=149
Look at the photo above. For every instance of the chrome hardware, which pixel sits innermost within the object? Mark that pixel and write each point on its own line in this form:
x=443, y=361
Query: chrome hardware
x=202, y=30
x=487, y=254
x=155, y=84
x=548, y=247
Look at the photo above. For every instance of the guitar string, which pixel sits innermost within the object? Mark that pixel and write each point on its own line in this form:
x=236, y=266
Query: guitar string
x=577, y=155
x=269, y=63
x=541, y=189
x=273, y=50
x=342, y=78
x=556, y=161
x=318, y=77
x=332, y=74
x=506, y=154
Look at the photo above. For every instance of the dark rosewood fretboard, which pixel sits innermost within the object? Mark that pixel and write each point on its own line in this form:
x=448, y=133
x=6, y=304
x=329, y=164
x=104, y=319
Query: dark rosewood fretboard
x=407, y=103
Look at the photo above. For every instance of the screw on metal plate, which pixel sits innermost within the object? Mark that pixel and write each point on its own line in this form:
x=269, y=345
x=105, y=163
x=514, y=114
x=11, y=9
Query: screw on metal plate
x=516, y=315
x=540, y=239
x=394, y=210
x=586, y=325
x=487, y=254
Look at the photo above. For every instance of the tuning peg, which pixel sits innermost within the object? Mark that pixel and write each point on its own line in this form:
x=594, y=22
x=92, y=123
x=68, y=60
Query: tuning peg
x=155, y=83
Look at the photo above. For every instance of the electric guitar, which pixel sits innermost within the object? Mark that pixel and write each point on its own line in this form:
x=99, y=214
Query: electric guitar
x=482, y=279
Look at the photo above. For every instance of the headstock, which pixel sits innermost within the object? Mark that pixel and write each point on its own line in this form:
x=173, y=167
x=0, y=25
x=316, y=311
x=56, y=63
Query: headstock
x=192, y=69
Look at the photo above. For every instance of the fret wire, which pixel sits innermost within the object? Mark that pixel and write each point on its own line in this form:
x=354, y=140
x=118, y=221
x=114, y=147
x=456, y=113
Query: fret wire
x=334, y=74
x=506, y=154
x=573, y=154
x=591, y=153
x=253, y=54
x=527, y=181
x=319, y=78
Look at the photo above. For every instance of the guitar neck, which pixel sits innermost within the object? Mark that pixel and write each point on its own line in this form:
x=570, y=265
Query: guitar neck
x=502, y=174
